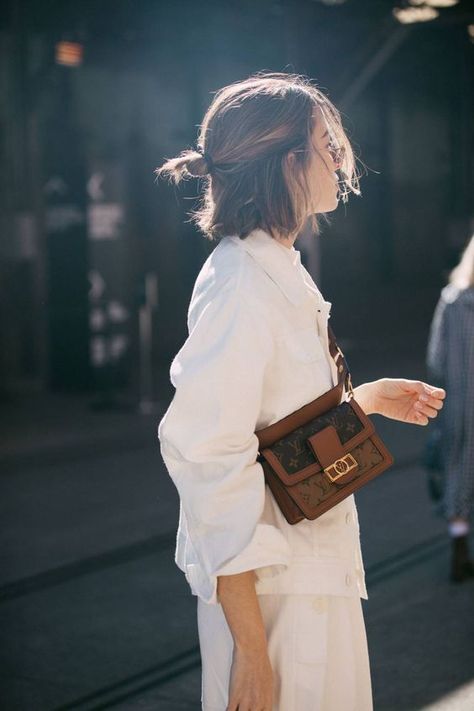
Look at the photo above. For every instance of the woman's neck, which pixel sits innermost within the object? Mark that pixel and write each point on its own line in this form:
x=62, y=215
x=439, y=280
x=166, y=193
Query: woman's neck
x=286, y=241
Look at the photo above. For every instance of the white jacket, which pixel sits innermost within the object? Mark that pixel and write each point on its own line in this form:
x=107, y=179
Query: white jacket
x=257, y=350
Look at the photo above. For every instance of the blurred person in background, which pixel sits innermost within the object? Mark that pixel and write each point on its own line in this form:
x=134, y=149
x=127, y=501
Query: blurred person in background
x=279, y=609
x=450, y=362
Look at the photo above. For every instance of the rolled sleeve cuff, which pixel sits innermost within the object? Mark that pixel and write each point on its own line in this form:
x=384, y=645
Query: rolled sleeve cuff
x=268, y=553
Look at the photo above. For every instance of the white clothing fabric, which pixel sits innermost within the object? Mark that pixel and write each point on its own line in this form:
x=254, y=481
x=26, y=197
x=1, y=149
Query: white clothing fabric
x=257, y=350
x=317, y=647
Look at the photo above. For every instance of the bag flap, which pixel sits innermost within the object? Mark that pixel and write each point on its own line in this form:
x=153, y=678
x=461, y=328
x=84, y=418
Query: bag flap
x=319, y=443
x=267, y=436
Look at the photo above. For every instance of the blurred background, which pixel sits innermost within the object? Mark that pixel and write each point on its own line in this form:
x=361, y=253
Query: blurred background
x=97, y=263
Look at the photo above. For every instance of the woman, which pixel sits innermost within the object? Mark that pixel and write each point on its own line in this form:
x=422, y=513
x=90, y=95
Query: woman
x=279, y=614
x=450, y=360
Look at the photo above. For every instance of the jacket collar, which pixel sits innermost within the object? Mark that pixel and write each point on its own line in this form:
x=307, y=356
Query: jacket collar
x=272, y=258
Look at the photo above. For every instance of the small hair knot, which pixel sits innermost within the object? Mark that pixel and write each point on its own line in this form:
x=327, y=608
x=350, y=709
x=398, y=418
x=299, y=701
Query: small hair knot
x=209, y=161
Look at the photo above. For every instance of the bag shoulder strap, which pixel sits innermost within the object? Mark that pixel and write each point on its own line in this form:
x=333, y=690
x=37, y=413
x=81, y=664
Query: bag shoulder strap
x=343, y=373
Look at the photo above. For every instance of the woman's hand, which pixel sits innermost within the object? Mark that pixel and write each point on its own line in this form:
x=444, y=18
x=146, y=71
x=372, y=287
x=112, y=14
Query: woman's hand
x=251, y=681
x=411, y=401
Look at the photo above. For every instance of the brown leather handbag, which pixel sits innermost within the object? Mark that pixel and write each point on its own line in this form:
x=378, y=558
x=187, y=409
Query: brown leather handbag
x=318, y=455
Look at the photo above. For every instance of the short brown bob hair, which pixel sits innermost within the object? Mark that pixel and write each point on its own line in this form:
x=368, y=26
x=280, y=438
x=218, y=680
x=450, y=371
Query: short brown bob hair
x=244, y=142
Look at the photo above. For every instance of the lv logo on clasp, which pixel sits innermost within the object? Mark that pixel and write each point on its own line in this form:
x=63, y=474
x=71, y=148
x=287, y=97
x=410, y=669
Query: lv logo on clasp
x=341, y=467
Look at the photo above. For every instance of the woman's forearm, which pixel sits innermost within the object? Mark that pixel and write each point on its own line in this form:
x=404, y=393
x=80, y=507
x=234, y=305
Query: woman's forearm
x=238, y=598
x=364, y=394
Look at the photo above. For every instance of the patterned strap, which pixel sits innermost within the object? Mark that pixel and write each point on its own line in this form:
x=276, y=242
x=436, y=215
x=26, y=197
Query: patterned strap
x=343, y=373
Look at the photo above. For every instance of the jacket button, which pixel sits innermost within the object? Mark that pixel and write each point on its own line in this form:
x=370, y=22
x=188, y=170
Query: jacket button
x=348, y=518
x=348, y=580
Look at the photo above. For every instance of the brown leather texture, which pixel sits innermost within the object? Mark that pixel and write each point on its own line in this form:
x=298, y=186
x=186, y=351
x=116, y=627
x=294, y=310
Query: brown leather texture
x=318, y=455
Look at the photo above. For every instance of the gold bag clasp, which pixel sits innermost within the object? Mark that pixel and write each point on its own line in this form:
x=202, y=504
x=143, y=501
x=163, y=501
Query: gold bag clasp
x=340, y=467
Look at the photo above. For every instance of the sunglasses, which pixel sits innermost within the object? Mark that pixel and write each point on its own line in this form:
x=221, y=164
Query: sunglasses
x=337, y=154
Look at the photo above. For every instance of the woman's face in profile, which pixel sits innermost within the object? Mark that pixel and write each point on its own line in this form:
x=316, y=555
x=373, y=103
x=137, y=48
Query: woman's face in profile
x=322, y=176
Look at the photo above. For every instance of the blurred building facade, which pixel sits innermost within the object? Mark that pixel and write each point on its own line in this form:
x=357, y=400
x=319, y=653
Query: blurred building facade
x=84, y=220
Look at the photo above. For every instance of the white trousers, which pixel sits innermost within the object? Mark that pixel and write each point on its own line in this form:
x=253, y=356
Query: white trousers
x=317, y=646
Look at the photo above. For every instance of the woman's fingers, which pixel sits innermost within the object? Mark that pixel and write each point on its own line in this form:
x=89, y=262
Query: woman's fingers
x=421, y=418
x=435, y=392
x=425, y=409
x=429, y=403
x=435, y=402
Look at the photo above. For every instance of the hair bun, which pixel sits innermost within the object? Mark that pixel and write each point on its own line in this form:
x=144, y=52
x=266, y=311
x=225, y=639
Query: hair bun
x=209, y=161
x=197, y=165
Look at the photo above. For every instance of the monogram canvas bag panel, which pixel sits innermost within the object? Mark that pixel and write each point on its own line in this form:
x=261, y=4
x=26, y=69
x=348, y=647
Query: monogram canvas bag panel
x=320, y=443
x=326, y=459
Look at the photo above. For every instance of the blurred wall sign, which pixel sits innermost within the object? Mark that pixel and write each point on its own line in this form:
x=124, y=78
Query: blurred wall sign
x=60, y=213
x=95, y=187
x=109, y=308
x=105, y=221
x=108, y=343
x=69, y=54
x=97, y=285
x=60, y=218
x=104, y=218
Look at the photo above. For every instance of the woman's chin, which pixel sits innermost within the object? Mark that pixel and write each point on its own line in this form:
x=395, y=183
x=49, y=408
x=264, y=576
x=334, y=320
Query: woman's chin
x=330, y=206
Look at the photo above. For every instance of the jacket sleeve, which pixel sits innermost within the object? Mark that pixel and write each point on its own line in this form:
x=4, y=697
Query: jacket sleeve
x=208, y=442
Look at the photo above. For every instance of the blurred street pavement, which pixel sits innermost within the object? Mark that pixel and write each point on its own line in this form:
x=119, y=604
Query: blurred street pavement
x=94, y=613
